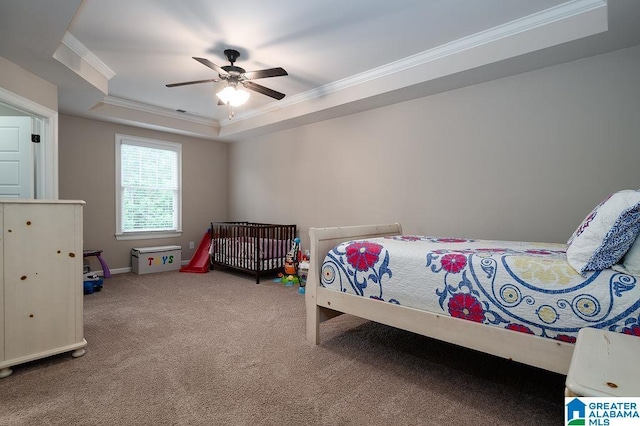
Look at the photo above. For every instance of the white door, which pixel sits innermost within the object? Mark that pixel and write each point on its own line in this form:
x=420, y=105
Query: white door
x=16, y=165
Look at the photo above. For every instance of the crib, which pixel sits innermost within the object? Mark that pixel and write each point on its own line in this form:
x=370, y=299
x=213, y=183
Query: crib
x=255, y=248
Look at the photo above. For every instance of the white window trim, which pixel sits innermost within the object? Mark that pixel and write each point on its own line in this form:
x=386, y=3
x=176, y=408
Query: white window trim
x=150, y=143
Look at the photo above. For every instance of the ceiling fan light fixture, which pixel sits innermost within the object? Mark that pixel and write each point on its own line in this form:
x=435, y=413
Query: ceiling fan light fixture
x=233, y=96
x=241, y=96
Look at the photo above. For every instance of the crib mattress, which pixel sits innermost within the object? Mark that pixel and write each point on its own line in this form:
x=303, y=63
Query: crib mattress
x=525, y=287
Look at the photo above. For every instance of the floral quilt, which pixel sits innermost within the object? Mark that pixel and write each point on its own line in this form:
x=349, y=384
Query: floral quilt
x=525, y=287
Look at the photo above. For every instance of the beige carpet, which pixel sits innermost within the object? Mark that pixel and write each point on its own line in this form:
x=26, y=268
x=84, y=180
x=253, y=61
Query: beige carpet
x=217, y=349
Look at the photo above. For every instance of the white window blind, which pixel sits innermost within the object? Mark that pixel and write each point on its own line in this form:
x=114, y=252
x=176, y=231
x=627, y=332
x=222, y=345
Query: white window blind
x=149, y=186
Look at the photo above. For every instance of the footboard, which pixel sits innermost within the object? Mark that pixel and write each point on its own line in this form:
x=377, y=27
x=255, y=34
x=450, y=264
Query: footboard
x=322, y=240
x=323, y=304
x=257, y=248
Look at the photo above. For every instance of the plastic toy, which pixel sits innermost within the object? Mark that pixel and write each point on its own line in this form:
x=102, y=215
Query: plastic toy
x=289, y=280
x=92, y=283
x=291, y=259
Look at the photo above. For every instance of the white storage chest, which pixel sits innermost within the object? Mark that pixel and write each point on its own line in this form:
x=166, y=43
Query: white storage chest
x=156, y=259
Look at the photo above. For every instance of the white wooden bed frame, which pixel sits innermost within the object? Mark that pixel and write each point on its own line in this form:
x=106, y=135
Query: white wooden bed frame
x=323, y=304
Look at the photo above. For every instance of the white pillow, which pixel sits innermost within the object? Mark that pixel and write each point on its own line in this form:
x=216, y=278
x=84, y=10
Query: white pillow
x=605, y=235
x=631, y=261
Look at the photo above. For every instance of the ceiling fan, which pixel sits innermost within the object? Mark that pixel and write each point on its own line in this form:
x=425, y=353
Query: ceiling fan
x=237, y=78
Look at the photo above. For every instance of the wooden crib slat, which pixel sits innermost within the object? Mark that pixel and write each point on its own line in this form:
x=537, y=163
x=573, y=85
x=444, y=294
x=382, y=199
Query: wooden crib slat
x=257, y=248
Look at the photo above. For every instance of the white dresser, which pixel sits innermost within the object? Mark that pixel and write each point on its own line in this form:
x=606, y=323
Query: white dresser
x=41, y=287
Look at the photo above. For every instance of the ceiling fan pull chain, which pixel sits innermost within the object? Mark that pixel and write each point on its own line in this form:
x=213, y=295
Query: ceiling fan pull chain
x=231, y=113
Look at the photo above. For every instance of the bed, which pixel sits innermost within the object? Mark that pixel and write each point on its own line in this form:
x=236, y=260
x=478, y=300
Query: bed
x=520, y=301
x=255, y=248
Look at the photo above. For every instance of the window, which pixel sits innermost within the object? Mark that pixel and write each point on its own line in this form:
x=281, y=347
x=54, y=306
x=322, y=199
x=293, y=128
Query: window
x=148, y=188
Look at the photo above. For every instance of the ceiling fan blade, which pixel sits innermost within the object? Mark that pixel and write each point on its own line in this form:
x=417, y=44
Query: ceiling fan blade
x=211, y=65
x=214, y=80
x=263, y=90
x=271, y=72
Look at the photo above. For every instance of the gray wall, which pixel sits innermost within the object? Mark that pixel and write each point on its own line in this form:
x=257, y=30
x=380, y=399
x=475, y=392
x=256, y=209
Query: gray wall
x=23, y=83
x=87, y=172
x=520, y=158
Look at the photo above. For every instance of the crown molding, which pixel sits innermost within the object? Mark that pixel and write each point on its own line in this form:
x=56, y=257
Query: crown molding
x=164, y=112
x=540, y=19
x=79, y=49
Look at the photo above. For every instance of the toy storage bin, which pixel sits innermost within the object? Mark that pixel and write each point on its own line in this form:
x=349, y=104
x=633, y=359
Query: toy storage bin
x=155, y=259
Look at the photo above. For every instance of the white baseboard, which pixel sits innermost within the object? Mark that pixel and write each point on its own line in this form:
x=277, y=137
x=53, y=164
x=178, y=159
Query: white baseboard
x=113, y=271
x=128, y=269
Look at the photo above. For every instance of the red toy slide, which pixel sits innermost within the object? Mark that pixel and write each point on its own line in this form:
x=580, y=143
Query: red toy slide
x=199, y=263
